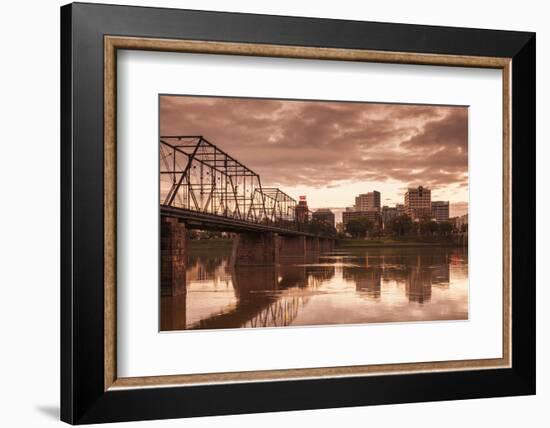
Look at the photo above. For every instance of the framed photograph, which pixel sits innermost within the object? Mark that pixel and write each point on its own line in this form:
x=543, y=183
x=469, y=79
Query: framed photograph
x=266, y=213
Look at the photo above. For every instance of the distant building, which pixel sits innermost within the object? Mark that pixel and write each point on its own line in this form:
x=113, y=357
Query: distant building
x=340, y=227
x=400, y=209
x=456, y=222
x=350, y=215
x=302, y=210
x=462, y=222
x=368, y=202
x=324, y=215
x=440, y=210
x=388, y=213
x=418, y=202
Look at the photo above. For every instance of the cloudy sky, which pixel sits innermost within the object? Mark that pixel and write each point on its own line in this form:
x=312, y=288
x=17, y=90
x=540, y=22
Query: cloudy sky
x=332, y=151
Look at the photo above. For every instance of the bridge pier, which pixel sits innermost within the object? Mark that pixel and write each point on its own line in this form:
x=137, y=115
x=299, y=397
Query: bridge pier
x=173, y=249
x=326, y=244
x=255, y=249
x=312, y=245
x=292, y=246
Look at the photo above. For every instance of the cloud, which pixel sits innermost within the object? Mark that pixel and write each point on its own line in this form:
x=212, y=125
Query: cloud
x=325, y=144
x=458, y=209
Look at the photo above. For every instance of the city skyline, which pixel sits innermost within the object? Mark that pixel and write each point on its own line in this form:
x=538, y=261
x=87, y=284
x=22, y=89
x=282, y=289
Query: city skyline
x=257, y=188
x=337, y=211
x=335, y=150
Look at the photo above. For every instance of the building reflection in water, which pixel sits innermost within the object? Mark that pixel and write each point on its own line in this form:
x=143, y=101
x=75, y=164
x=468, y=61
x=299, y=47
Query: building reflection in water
x=318, y=290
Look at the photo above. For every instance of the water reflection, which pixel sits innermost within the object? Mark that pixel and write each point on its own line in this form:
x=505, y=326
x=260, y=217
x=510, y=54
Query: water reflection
x=344, y=286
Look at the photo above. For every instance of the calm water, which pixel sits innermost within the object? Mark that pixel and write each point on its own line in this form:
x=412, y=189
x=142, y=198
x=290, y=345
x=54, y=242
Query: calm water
x=348, y=286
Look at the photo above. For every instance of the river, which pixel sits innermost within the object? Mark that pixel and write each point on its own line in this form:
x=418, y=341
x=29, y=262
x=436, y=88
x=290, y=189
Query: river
x=345, y=286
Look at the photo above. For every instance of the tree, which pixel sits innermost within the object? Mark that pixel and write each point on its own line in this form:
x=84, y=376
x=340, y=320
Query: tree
x=318, y=227
x=359, y=227
x=400, y=225
x=445, y=228
x=427, y=227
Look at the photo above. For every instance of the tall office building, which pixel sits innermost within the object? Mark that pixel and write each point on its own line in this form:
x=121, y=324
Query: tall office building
x=418, y=203
x=440, y=210
x=368, y=202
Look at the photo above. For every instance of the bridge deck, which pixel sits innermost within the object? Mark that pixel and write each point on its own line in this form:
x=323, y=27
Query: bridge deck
x=200, y=220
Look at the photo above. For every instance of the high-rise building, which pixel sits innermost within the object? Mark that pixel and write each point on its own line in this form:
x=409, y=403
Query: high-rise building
x=302, y=210
x=418, y=202
x=324, y=215
x=368, y=201
x=440, y=210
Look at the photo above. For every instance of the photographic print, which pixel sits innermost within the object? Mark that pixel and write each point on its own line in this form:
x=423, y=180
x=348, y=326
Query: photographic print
x=281, y=212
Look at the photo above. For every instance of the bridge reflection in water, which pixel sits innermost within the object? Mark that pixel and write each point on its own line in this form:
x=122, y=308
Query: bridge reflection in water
x=343, y=286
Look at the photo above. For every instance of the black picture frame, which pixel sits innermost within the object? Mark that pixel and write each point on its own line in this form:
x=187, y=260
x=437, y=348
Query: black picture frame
x=83, y=398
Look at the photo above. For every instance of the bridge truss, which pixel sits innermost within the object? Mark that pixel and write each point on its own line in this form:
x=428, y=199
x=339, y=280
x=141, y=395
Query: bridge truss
x=198, y=176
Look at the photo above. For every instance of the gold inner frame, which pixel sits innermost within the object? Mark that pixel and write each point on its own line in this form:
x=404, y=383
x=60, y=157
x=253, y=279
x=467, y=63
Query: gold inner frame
x=113, y=43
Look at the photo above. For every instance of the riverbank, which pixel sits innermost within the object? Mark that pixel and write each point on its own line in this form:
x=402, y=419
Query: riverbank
x=209, y=245
x=383, y=242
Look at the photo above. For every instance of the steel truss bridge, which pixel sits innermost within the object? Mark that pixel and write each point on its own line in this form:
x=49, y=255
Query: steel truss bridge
x=208, y=188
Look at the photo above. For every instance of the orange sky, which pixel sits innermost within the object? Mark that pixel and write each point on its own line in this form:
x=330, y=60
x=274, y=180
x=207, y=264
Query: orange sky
x=332, y=151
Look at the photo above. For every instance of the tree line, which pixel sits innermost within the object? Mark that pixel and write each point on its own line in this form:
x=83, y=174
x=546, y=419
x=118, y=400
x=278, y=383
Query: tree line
x=399, y=226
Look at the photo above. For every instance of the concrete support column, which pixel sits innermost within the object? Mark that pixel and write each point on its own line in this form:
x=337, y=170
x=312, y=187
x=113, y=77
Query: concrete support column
x=173, y=250
x=255, y=249
x=292, y=246
x=312, y=245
